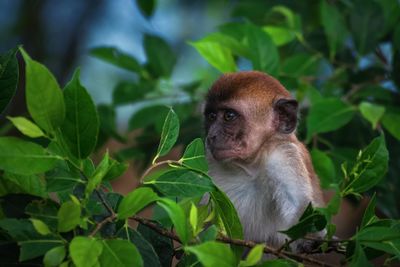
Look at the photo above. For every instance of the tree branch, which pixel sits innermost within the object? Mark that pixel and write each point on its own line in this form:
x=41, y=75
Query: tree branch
x=239, y=242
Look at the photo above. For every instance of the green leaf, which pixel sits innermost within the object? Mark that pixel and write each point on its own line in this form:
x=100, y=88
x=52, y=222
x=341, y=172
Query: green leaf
x=81, y=124
x=54, y=256
x=32, y=244
x=62, y=178
x=146, y=7
x=169, y=134
x=160, y=57
x=369, y=214
x=69, y=216
x=254, y=256
x=22, y=157
x=213, y=254
x=116, y=57
x=162, y=245
x=225, y=210
x=26, y=127
x=311, y=221
x=43, y=95
x=386, y=239
x=263, y=52
x=334, y=27
x=280, y=35
x=29, y=184
x=194, y=156
x=85, y=251
x=120, y=253
x=182, y=183
x=370, y=168
x=98, y=175
x=177, y=216
x=324, y=168
x=366, y=21
x=146, y=250
x=140, y=118
x=40, y=227
x=359, y=258
x=372, y=112
x=127, y=92
x=115, y=170
x=216, y=54
x=8, y=77
x=328, y=115
x=301, y=64
x=136, y=201
x=391, y=123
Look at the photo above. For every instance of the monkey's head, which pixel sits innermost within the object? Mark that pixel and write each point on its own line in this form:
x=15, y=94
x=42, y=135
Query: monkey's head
x=243, y=111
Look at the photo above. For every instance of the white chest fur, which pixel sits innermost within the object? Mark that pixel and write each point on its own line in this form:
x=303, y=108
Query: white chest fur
x=271, y=199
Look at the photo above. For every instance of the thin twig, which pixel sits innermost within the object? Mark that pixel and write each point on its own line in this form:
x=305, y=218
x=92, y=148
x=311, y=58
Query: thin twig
x=239, y=242
x=155, y=165
x=101, y=224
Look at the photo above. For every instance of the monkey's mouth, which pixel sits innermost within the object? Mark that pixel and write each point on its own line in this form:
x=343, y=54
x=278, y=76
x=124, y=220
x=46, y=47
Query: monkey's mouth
x=224, y=153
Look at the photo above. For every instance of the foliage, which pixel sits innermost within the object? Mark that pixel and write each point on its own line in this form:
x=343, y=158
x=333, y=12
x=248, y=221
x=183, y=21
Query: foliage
x=57, y=205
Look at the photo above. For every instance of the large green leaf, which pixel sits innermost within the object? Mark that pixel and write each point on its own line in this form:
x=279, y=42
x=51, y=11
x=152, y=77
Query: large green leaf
x=120, y=253
x=213, y=254
x=8, y=77
x=369, y=214
x=85, y=251
x=43, y=95
x=32, y=244
x=327, y=115
x=301, y=64
x=311, y=221
x=169, y=134
x=372, y=112
x=334, y=27
x=227, y=213
x=366, y=21
x=386, y=239
x=69, y=216
x=160, y=57
x=216, y=54
x=359, y=257
x=194, y=156
x=28, y=184
x=370, y=167
x=136, y=201
x=391, y=123
x=280, y=35
x=182, y=183
x=96, y=178
x=147, y=252
x=263, y=52
x=116, y=57
x=24, y=157
x=178, y=217
x=54, y=256
x=81, y=124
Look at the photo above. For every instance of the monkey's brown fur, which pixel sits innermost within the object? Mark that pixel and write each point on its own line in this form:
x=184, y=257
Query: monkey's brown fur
x=255, y=156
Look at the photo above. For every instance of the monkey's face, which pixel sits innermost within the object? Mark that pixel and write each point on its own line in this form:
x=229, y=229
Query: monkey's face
x=232, y=131
x=242, y=111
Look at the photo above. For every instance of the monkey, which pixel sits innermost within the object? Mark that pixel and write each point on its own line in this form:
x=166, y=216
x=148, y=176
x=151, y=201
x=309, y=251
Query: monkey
x=254, y=156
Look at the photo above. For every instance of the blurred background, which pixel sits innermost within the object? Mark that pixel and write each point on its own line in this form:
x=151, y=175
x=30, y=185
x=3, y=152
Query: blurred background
x=136, y=57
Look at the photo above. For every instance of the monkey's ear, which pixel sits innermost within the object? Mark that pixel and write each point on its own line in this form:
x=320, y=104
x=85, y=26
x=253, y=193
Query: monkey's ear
x=286, y=115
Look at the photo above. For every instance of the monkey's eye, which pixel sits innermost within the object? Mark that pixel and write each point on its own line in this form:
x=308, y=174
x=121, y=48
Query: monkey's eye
x=212, y=116
x=230, y=115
